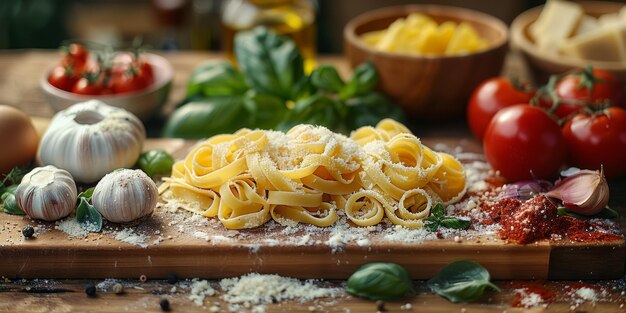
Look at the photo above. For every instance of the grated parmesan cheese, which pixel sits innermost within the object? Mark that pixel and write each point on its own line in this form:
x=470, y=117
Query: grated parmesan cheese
x=199, y=290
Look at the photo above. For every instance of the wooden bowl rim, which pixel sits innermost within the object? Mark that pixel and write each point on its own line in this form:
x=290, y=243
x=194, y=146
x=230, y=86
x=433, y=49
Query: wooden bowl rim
x=429, y=9
x=521, y=41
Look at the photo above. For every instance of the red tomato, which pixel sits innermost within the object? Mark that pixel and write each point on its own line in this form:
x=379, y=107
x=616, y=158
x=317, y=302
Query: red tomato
x=589, y=86
x=75, y=55
x=489, y=98
x=91, y=84
x=128, y=82
x=523, y=142
x=146, y=70
x=596, y=140
x=62, y=78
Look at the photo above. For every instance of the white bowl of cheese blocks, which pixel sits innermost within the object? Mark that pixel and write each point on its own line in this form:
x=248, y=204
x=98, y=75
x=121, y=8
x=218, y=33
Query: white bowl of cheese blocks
x=563, y=35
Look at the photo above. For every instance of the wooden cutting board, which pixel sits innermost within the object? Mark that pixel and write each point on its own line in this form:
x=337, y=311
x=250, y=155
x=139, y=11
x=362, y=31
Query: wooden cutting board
x=172, y=248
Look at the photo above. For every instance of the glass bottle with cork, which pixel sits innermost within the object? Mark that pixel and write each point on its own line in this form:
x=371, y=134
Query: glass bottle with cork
x=293, y=18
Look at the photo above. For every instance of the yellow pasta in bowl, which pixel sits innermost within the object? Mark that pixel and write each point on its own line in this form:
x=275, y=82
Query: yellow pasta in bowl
x=309, y=174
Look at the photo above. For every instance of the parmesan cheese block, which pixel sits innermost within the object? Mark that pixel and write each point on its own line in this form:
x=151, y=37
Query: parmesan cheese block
x=587, y=24
x=558, y=21
x=603, y=44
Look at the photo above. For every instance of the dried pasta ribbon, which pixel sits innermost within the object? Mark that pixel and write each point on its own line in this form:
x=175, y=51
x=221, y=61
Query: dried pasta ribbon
x=365, y=208
x=197, y=200
x=324, y=215
x=392, y=127
x=367, y=134
x=449, y=183
x=299, y=198
x=242, y=204
x=415, y=204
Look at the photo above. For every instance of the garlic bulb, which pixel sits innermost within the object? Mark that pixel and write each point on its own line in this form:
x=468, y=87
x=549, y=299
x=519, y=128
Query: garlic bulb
x=47, y=193
x=91, y=139
x=125, y=195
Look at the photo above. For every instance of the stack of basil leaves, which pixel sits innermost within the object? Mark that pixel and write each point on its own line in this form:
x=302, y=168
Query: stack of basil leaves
x=270, y=90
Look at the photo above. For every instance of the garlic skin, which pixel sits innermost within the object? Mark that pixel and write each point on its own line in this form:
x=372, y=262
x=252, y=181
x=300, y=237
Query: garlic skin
x=125, y=195
x=584, y=192
x=91, y=139
x=47, y=193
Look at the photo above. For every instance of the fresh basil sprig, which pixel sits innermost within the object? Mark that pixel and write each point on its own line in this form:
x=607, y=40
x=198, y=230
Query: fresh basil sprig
x=156, y=162
x=271, y=90
x=606, y=213
x=438, y=218
x=380, y=281
x=461, y=281
x=86, y=214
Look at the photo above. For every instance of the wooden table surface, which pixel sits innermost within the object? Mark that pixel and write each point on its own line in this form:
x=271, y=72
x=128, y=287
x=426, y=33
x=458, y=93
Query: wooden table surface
x=20, y=73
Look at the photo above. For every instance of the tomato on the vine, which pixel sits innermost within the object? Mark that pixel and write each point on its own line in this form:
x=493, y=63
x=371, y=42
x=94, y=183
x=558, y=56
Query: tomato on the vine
x=490, y=97
x=523, y=142
x=92, y=83
x=131, y=80
x=62, y=78
x=75, y=55
x=575, y=90
x=598, y=139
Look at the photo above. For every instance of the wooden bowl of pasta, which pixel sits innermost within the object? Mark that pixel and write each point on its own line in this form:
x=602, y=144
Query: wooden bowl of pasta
x=429, y=86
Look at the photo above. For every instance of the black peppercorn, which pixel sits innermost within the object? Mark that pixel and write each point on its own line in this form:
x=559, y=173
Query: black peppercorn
x=28, y=231
x=172, y=278
x=90, y=290
x=165, y=305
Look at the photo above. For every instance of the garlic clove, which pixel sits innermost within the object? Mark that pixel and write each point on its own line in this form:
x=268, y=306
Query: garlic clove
x=125, y=195
x=585, y=192
x=47, y=193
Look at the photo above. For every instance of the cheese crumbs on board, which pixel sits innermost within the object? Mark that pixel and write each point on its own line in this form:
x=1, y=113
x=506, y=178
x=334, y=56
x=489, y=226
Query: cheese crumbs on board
x=310, y=175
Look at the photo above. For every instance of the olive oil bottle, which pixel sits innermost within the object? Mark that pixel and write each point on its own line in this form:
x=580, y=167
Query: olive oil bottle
x=292, y=18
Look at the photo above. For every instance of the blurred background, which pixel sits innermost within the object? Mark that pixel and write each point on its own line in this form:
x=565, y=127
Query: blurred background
x=182, y=24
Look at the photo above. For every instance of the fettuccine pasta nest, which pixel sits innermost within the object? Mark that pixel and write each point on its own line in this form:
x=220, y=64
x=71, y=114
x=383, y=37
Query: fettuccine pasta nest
x=309, y=174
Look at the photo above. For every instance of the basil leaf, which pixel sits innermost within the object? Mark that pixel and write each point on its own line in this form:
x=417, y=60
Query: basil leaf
x=370, y=109
x=461, y=281
x=454, y=223
x=606, y=213
x=363, y=80
x=9, y=204
x=216, y=79
x=438, y=210
x=432, y=226
x=264, y=111
x=156, y=162
x=196, y=120
x=88, y=217
x=380, y=281
x=272, y=64
x=316, y=110
x=325, y=77
x=86, y=194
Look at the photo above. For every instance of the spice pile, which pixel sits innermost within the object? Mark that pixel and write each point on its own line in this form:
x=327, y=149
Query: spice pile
x=537, y=219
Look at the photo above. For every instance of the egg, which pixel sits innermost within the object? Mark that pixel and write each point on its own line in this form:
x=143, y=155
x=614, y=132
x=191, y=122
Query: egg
x=18, y=139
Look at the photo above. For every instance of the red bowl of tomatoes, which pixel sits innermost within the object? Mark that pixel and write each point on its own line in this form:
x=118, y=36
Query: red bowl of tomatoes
x=137, y=83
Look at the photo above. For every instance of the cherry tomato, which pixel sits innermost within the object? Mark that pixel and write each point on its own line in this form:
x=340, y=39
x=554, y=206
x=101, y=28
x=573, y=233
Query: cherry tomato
x=523, y=142
x=598, y=139
x=489, y=98
x=91, y=84
x=588, y=86
x=146, y=70
x=75, y=55
x=128, y=82
x=62, y=78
